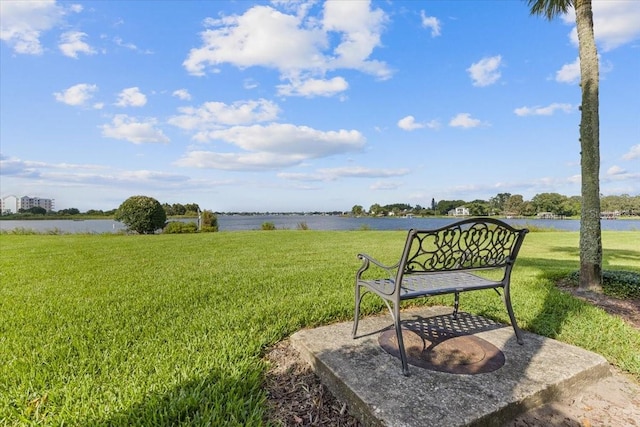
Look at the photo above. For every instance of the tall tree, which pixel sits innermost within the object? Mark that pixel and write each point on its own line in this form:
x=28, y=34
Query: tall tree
x=590, y=231
x=357, y=210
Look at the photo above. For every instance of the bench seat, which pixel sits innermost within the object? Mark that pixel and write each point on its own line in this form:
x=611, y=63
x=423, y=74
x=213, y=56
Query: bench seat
x=430, y=284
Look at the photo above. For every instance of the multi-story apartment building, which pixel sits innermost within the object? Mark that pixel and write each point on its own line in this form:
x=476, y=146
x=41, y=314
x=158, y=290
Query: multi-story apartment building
x=12, y=204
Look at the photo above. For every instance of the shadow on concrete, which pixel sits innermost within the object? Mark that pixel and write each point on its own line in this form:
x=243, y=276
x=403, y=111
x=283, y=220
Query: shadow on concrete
x=446, y=344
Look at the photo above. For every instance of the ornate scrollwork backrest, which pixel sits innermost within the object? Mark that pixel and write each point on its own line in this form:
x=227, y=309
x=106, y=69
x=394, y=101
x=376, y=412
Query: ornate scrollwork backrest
x=462, y=246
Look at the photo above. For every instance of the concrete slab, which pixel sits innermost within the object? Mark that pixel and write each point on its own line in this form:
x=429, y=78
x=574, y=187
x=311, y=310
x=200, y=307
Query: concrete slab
x=362, y=374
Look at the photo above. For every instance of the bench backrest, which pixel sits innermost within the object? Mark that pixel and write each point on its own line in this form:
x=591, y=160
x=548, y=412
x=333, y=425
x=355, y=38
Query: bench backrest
x=470, y=244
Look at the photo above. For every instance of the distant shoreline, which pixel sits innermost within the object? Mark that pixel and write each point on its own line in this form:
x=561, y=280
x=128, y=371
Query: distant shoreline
x=232, y=223
x=81, y=217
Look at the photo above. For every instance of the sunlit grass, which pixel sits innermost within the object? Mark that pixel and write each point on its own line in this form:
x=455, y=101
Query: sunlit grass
x=171, y=329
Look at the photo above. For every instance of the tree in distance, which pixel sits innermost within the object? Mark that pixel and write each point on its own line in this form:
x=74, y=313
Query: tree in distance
x=141, y=214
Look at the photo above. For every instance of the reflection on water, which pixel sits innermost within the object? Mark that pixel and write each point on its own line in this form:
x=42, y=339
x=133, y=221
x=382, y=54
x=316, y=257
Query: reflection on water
x=312, y=222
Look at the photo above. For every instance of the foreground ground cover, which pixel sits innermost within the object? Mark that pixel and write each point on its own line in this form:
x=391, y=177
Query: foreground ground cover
x=172, y=329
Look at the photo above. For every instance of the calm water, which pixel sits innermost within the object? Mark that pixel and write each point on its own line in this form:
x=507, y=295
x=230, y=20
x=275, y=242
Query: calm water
x=313, y=222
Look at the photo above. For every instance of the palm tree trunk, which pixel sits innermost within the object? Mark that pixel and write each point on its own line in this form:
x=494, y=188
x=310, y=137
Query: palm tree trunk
x=590, y=231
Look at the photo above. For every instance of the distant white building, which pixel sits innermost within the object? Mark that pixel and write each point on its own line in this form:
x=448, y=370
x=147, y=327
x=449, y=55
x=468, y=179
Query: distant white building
x=9, y=205
x=12, y=204
x=547, y=215
x=459, y=211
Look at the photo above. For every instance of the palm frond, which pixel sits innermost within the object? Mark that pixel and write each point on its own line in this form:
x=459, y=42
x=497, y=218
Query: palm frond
x=549, y=8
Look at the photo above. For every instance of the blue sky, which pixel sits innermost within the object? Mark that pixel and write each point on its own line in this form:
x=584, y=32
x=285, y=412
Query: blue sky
x=307, y=105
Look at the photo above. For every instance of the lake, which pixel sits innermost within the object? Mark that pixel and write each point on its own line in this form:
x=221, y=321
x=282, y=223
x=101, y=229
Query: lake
x=312, y=222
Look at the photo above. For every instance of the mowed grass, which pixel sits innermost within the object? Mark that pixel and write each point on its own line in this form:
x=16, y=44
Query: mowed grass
x=171, y=329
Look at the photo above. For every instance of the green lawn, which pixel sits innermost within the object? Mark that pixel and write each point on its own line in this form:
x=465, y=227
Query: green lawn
x=171, y=329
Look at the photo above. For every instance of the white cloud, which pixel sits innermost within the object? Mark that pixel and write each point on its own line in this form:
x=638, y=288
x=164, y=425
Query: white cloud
x=574, y=179
x=569, y=73
x=485, y=72
x=262, y=36
x=213, y=115
x=409, y=123
x=250, y=84
x=71, y=43
x=332, y=174
x=385, y=185
x=13, y=166
x=634, y=153
x=543, y=111
x=618, y=174
x=464, y=120
x=23, y=22
x=148, y=175
x=363, y=172
x=237, y=161
x=121, y=43
x=273, y=146
x=616, y=170
x=131, y=97
x=615, y=23
x=289, y=139
x=295, y=45
x=76, y=95
x=130, y=129
x=304, y=177
x=434, y=124
x=430, y=22
x=182, y=94
x=314, y=87
x=58, y=174
x=360, y=28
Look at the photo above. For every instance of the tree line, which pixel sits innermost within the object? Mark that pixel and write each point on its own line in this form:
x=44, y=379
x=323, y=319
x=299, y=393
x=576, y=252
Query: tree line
x=509, y=205
x=175, y=209
x=501, y=204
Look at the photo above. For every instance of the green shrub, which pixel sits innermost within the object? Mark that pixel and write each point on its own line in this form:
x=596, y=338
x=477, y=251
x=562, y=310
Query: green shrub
x=268, y=225
x=616, y=283
x=141, y=214
x=623, y=284
x=209, y=222
x=179, y=227
x=303, y=226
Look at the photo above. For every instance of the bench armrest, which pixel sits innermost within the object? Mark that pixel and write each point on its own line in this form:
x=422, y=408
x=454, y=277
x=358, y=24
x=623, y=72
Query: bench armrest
x=368, y=260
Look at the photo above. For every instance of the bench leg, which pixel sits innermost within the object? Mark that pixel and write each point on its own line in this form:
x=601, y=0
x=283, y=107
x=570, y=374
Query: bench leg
x=516, y=329
x=403, y=354
x=357, y=311
x=456, y=305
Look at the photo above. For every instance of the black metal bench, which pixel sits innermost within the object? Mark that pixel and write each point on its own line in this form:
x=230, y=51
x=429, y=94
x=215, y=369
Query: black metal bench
x=442, y=261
